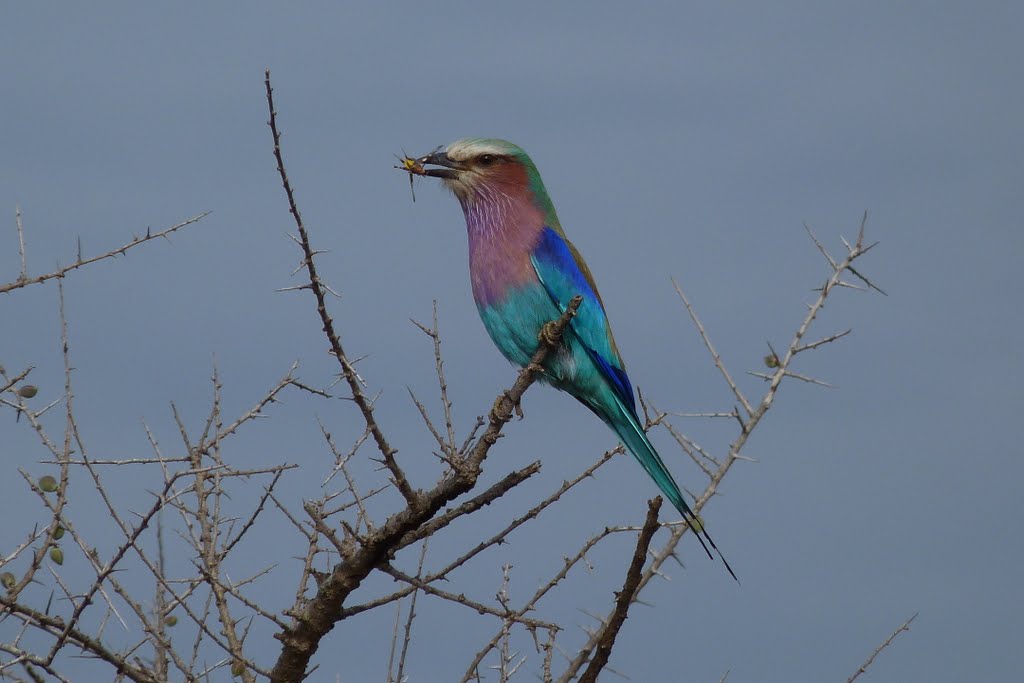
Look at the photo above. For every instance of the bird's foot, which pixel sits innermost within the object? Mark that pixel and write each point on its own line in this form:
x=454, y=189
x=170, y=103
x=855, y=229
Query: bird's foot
x=499, y=408
x=548, y=334
x=499, y=411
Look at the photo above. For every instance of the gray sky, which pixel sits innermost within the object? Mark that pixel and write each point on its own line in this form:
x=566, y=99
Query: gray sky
x=686, y=139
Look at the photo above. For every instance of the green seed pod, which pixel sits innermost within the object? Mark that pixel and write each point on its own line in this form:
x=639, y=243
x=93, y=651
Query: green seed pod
x=237, y=669
x=171, y=620
x=771, y=360
x=58, y=533
x=47, y=483
x=57, y=555
x=8, y=580
x=28, y=391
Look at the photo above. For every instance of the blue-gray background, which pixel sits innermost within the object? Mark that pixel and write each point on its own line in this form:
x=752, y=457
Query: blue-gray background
x=684, y=139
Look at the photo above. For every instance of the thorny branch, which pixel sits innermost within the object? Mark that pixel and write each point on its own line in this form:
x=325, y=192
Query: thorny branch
x=782, y=363
x=70, y=629
x=905, y=626
x=220, y=611
x=362, y=555
x=606, y=637
x=24, y=280
x=568, y=564
x=497, y=539
x=319, y=615
x=319, y=291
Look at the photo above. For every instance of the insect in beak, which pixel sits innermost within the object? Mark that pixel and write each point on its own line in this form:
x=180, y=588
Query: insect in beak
x=412, y=167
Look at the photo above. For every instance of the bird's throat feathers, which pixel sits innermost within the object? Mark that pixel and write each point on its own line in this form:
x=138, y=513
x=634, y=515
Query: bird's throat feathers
x=506, y=212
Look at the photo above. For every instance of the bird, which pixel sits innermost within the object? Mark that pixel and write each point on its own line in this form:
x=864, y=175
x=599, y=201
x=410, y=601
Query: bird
x=524, y=271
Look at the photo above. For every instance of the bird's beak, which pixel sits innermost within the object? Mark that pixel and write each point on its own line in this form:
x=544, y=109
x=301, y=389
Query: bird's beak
x=439, y=158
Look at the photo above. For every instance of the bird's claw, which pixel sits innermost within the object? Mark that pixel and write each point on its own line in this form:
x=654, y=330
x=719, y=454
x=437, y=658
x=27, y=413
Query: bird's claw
x=498, y=408
x=548, y=334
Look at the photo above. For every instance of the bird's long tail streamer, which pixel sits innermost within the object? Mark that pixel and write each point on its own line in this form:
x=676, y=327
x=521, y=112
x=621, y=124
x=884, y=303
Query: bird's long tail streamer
x=627, y=427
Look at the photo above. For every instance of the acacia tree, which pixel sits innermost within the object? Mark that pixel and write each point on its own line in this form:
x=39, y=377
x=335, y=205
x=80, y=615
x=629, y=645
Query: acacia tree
x=142, y=616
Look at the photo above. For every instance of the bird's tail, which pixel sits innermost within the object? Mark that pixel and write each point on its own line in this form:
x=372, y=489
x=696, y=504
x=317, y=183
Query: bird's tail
x=627, y=426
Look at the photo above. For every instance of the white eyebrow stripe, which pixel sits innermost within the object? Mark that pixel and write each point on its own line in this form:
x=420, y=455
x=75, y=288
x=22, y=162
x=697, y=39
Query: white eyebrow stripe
x=467, y=148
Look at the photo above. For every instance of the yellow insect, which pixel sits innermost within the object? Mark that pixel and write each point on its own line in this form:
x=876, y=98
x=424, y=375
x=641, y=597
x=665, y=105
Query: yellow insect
x=412, y=167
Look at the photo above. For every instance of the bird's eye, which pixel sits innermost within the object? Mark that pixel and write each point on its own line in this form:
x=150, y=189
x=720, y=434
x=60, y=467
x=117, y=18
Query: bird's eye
x=487, y=159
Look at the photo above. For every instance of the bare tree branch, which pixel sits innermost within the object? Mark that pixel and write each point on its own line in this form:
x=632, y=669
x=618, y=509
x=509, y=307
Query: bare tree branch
x=905, y=626
x=79, y=262
x=711, y=348
x=316, y=286
x=321, y=612
x=66, y=613
x=780, y=372
x=483, y=545
x=623, y=600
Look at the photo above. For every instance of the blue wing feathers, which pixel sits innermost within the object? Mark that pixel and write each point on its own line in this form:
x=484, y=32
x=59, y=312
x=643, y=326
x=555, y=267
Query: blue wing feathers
x=618, y=378
x=552, y=252
x=562, y=278
x=563, y=275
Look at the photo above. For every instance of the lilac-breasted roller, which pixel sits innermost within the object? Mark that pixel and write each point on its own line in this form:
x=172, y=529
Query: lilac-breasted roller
x=524, y=272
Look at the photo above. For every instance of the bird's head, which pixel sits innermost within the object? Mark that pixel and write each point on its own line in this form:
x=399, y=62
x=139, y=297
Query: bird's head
x=478, y=169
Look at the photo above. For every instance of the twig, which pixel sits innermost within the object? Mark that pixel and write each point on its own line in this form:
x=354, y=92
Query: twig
x=318, y=289
x=497, y=539
x=531, y=604
x=668, y=549
x=606, y=639
x=905, y=626
x=446, y=405
x=795, y=375
x=483, y=499
x=820, y=246
x=412, y=615
x=714, y=354
x=693, y=450
x=394, y=642
x=79, y=262
x=504, y=613
x=23, y=275
x=341, y=465
x=54, y=626
x=8, y=383
x=820, y=342
x=318, y=616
